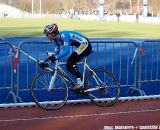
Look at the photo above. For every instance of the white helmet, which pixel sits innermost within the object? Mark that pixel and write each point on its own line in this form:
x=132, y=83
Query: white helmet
x=50, y=28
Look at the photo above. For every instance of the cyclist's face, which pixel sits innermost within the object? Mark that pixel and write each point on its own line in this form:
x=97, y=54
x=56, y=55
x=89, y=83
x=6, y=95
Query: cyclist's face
x=58, y=39
x=54, y=38
x=50, y=37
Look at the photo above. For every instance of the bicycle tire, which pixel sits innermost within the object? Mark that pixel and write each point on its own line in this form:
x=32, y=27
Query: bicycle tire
x=45, y=99
x=108, y=93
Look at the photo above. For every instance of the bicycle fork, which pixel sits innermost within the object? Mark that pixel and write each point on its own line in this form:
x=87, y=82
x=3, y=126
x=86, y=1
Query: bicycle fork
x=52, y=80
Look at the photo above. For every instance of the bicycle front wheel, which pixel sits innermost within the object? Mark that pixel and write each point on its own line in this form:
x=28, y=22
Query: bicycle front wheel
x=103, y=88
x=49, y=99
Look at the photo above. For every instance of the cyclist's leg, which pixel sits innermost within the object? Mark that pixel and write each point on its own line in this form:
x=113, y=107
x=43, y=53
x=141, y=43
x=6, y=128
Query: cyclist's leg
x=77, y=57
x=71, y=64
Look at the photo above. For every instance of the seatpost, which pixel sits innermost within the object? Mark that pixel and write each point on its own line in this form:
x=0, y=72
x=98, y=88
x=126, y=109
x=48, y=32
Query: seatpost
x=84, y=70
x=85, y=60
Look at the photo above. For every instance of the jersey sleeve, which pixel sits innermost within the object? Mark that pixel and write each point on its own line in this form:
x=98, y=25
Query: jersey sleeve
x=57, y=49
x=66, y=48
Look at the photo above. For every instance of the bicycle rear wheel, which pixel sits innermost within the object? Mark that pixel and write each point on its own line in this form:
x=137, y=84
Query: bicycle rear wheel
x=103, y=88
x=49, y=99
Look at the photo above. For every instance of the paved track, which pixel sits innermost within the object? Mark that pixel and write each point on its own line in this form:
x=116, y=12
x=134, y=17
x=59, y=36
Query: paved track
x=129, y=114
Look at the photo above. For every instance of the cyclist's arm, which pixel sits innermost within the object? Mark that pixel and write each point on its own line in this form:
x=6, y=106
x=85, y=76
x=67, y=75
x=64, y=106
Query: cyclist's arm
x=65, y=51
x=57, y=49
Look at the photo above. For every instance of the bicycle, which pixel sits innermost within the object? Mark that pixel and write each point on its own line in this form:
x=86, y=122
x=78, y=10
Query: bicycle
x=101, y=87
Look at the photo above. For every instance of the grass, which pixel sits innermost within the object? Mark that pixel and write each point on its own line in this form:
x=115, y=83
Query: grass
x=34, y=27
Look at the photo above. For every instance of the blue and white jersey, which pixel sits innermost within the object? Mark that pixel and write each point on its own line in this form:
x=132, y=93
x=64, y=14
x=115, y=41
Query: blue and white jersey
x=70, y=38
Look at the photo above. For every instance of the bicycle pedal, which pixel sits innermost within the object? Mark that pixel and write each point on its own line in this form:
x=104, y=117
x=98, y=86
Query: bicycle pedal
x=81, y=93
x=75, y=89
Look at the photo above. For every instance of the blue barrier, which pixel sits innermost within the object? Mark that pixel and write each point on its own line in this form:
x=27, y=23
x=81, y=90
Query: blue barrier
x=6, y=72
x=113, y=54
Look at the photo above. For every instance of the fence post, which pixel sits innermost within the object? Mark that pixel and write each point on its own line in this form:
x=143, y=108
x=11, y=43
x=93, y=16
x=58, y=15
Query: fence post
x=11, y=92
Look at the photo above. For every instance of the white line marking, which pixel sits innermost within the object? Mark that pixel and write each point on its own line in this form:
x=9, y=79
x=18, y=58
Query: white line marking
x=76, y=116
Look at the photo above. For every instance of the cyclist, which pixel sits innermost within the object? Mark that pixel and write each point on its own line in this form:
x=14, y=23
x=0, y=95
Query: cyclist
x=67, y=39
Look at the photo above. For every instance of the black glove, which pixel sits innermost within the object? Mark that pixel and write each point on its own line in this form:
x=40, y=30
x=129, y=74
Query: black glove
x=52, y=58
x=43, y=65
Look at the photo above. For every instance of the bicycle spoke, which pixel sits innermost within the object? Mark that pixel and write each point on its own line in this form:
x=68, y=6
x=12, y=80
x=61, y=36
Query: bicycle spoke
x=103, y=87
x=45, y=98
x=42, y=83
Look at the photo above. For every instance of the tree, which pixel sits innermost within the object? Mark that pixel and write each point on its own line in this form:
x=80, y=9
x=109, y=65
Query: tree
x=56, y=6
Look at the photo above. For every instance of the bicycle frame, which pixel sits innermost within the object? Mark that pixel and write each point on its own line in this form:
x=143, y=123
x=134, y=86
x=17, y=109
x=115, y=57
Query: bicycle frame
x=96, y=86
x=86, y=66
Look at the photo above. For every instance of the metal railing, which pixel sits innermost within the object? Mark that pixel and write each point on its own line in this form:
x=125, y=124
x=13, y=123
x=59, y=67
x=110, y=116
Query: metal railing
x=115, y=56
x=6, y=71
x=149, y=65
